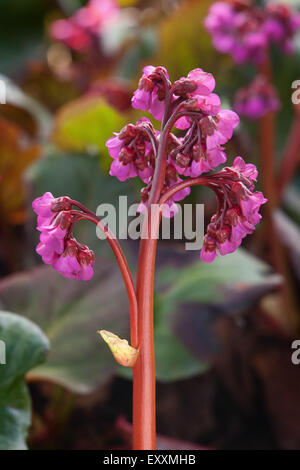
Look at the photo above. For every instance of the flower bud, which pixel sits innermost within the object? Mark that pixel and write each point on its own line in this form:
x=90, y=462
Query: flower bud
x=207, y=126
x=146, y=84
x=158, y=74
x=64, y=220
x=161, y=92
x=183, y=160
x=126, y=155
x=141, y=163
x=197, y=152
x=71, y=247
x=232, y=215
x=61, y=204
x=124, y=354
x=128, y=133
x=210, y=243
x=239, y=190
x=223, y=234
x=86, y=256
x=191, y=104
x=184, y=86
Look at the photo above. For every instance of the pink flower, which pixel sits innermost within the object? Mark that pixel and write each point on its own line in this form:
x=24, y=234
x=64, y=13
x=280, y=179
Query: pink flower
x=238, y=211
x=281, y=25
x=150, y=94
x=74, y=36
x=220, y=128
x=131, y=152
x=196, y=83
x=56, y=246
x=208, y=105
x=246, y=32
x=236, y=32
x=206, y=255
x=96, y=14
x=49, y=247
x=248, y=170
x=75, y=263
x=43, y=205
x=256, y=99
x=219, y=23
x=77, y=31
x=114, y=145
x=204, y=81
x=208, y=134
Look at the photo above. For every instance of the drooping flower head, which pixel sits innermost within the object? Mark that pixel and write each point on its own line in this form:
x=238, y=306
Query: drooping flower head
x=256, y=99
x=238, y=210
x=57, y=245
x=246, y=31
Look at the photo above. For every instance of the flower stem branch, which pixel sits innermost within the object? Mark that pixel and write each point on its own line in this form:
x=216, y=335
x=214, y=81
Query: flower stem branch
x=118, y=252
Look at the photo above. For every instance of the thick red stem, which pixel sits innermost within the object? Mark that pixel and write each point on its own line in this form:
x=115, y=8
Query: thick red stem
x=144, y=432
x=144, y=406
x=124, y=270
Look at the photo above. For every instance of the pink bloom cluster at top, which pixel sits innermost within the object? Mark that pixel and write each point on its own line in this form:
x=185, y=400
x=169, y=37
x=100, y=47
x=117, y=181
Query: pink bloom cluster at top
x=57, y=247
x=194, y=108
x=198, y=86
x=190, y=105
x=256, y=99
x=132, y=152
x=77, y=31
x=238, y=210
x=246, y=32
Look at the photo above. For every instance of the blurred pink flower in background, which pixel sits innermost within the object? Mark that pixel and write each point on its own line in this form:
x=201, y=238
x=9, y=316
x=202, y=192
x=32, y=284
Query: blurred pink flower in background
x=256, y=99
x=77, y=31
x=246, y=32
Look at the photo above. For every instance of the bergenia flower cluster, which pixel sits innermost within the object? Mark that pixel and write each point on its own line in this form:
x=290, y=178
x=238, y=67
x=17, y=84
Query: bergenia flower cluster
x=256, y=99
x=238, y=210
x=199, y=112
x=183, y=153
x=80, y=30
x=57, y=245
x=189, y=104
x=246, y=31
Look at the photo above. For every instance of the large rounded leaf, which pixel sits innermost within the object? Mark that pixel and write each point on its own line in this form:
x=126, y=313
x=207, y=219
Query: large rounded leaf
x=24, y=346
x=70, y=313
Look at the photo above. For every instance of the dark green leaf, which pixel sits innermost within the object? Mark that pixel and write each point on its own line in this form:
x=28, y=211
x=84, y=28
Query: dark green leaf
x=25, y=348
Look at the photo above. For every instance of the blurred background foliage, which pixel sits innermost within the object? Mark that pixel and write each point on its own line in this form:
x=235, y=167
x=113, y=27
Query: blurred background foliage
x=222, y=336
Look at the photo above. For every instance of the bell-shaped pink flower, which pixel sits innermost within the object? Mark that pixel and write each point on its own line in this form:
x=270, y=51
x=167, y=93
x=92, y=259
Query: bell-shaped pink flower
x=42, y=205
x=150, y=94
